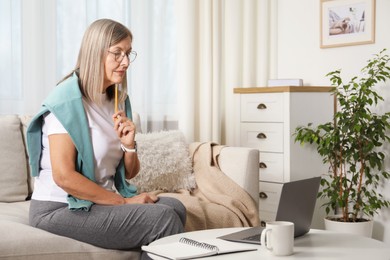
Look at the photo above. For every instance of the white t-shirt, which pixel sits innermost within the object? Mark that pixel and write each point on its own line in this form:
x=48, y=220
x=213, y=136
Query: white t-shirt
x=105, y=143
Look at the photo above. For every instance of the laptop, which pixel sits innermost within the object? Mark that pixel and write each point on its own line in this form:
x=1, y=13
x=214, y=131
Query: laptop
x=296, y=204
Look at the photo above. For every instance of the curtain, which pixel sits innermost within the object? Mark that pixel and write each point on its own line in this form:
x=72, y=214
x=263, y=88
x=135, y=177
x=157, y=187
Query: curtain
x=42, y=39
x=191, y=55
x=222, y=45
x=10, y=53
x=152, y=78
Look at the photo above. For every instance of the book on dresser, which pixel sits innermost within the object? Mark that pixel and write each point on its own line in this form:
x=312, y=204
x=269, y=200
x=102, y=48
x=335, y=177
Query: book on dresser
x=187, y=248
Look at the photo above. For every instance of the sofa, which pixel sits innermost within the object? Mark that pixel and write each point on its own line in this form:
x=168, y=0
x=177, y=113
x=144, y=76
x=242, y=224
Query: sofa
x=18, y=240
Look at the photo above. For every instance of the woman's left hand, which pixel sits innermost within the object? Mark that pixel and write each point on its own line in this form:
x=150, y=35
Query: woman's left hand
x=125, y=129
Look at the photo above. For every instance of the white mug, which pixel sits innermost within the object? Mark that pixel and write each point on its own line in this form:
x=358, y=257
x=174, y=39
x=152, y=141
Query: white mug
x=278, y=237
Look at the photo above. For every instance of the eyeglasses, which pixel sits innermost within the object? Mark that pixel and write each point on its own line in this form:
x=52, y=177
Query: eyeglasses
x=120, y=55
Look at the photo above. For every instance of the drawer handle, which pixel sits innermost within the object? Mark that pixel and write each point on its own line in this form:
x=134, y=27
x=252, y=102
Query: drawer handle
x=262, y=165
x=263, y=195
x=261, y=106
x=261, y=136
x=262, y=223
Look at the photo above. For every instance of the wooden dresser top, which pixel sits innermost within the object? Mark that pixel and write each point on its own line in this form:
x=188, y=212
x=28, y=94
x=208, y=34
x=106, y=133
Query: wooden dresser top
x=283, y=89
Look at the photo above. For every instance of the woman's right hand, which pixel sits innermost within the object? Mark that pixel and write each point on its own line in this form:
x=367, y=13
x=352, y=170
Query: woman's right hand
x=143, y=198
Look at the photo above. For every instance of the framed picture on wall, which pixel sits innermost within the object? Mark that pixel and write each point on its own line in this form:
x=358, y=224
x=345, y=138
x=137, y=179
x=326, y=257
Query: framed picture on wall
x=347, y=22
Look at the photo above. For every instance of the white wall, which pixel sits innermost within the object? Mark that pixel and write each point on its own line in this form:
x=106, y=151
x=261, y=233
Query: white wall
x=300, y=56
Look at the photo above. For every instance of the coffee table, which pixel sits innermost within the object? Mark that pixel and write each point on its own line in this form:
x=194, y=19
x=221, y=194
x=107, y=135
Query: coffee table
x=317, y=244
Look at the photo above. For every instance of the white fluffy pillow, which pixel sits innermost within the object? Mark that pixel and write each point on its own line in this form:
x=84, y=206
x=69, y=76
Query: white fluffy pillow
x=165, y=162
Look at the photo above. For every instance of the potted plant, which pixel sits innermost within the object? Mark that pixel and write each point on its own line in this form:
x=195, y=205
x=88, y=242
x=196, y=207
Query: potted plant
x=352, y=145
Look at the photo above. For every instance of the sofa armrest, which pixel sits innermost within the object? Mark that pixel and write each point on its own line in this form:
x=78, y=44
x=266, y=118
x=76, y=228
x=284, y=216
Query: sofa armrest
x=241, y=164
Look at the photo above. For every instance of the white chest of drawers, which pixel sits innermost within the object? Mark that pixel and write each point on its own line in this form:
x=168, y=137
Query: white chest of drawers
x=266, y=119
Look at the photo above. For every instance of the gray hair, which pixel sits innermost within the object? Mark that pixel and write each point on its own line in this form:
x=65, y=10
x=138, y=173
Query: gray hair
x=98, y=37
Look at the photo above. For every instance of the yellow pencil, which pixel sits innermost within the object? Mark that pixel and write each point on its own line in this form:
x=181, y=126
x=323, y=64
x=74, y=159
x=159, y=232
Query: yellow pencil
x=116, y=98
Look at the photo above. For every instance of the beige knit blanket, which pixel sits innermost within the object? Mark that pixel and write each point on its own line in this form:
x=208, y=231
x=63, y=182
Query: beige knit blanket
x=218, y=201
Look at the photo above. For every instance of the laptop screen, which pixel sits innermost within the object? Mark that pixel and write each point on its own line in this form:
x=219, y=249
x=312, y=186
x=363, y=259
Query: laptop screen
x=297, y=203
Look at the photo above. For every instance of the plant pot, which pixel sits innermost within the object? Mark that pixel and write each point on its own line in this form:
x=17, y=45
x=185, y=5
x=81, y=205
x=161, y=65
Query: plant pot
x=363, y=228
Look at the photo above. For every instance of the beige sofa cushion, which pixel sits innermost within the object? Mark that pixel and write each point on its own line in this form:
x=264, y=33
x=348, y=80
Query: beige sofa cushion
x=13, y=163
x=25, y=242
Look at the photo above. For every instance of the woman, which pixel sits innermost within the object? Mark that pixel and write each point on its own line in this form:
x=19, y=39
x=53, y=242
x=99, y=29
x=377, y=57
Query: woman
x=81, y=151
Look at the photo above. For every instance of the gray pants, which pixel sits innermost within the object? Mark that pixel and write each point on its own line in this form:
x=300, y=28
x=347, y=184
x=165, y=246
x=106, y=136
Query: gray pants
x=126, y=226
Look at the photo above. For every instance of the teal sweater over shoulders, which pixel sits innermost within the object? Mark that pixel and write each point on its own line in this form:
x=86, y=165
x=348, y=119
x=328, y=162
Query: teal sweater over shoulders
x=65, y=102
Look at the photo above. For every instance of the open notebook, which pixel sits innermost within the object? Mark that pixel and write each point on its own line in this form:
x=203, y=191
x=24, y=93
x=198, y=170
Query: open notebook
x=187, y=248
x=296, y=204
